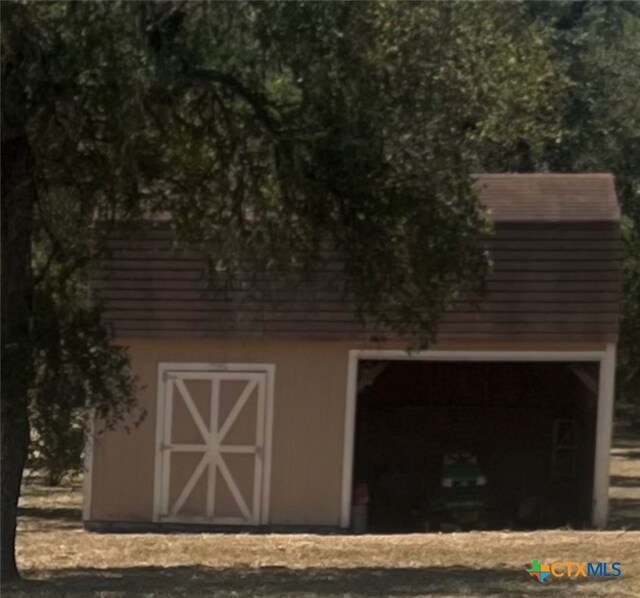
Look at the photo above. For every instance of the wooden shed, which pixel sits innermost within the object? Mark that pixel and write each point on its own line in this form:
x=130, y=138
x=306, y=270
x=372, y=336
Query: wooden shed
x=268, y=402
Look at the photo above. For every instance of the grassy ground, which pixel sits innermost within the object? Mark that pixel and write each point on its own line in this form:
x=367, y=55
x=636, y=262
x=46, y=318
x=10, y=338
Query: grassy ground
x=58, y=558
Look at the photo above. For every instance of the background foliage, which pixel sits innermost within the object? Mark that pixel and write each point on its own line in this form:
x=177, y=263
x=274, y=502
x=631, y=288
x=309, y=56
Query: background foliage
x=599, y=45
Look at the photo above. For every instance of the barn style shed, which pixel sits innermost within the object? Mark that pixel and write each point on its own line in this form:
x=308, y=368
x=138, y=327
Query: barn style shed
x=268, y=403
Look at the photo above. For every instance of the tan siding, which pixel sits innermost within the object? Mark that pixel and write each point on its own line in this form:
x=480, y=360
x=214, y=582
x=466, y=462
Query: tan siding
x=123, y=462
x=309, y=404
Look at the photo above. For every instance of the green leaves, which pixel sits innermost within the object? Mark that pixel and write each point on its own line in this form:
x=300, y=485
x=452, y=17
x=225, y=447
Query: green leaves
x=78, y=372
x=268, y=129
x=265, y=128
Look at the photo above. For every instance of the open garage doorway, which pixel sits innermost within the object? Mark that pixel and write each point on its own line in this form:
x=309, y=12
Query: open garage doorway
x=461, y=445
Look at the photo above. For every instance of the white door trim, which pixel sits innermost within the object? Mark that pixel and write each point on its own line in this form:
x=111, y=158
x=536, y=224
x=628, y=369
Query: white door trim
x=87, y=476
x=198, y=369
x=605, y=358
x=604, y=432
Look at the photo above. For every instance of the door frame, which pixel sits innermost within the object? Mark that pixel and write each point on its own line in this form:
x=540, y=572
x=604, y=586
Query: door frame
x=186, y=366
x=606, y=358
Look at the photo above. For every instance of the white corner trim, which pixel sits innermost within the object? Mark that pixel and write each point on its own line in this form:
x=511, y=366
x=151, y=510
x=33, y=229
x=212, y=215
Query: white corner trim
x=268, y=444
x=604, y=430
x=157, y=475
x=160, y=474
x=349, y=438
x=87, y=478
x=605, y=358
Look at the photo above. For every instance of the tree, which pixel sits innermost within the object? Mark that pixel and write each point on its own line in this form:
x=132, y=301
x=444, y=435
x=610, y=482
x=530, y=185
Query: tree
x=77, y=371
x=48, y=195
x=263, y=129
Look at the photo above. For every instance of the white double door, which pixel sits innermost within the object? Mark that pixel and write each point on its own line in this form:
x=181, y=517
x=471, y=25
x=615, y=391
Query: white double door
x=211, y=449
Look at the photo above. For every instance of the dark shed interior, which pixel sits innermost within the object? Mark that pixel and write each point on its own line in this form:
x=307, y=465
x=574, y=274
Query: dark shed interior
x=514, y=440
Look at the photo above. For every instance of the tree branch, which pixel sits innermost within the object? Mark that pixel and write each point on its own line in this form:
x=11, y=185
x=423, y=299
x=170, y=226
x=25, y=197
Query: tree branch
x=260, y=104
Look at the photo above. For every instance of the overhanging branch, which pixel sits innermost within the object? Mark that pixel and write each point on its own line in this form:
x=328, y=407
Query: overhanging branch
x=259, y=103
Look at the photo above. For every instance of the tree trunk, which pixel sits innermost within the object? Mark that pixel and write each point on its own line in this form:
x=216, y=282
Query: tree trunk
x=18, y=200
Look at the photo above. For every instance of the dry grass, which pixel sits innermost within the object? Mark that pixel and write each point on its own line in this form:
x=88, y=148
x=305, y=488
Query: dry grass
x=61, y=559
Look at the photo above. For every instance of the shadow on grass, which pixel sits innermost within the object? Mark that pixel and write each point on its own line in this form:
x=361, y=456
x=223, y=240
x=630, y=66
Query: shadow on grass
x=281, y=581
x=627, y=454
x=624, y=513
x=627, y=431
x=60, y=513
x=34, y=488
x=44, y=519
x=623, y=481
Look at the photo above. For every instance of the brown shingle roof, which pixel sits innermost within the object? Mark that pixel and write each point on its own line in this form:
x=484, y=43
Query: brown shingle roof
x=549, y=197
x=555, y=247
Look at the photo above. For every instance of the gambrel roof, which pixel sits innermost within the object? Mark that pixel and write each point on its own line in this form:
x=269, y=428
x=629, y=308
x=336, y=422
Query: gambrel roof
x=556, y=253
